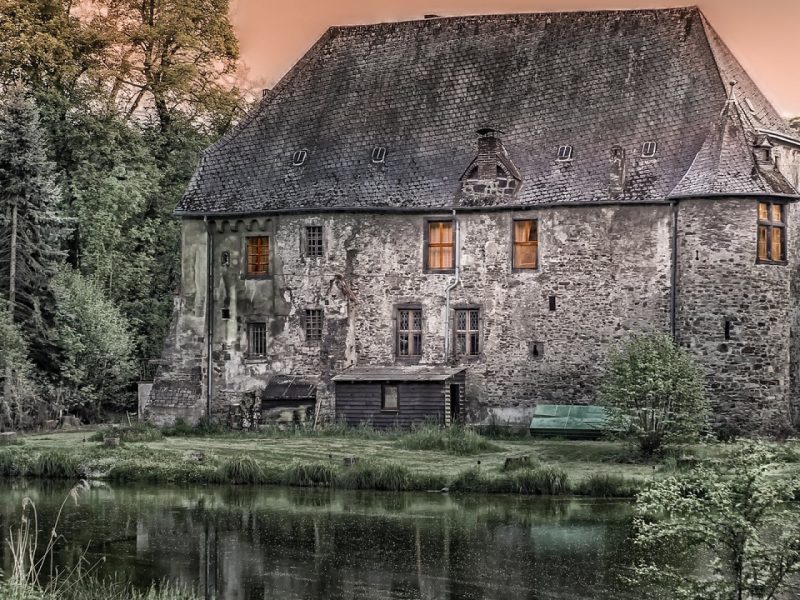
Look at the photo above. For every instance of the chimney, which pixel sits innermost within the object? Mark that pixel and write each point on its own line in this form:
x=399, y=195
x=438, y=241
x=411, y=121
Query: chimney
x=490, y=146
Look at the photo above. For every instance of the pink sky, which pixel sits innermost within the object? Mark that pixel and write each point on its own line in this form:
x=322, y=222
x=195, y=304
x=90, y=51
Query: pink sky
x=274, y=34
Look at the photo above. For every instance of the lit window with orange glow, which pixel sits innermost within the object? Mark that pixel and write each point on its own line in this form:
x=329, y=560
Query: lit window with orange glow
x=440, y=246
x=526, y=244
x=771, y=232
x=258, y=256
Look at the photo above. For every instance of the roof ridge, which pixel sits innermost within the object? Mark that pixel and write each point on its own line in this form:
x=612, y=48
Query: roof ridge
x=689, y=8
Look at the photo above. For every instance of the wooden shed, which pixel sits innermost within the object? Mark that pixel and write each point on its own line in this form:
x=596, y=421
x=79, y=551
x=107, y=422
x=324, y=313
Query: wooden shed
x=399, y=396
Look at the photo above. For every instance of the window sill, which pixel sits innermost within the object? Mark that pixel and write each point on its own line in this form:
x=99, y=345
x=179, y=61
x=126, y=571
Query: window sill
x=439, y=271
x=408, y=359
x=469, y=358
x=525, y=269
x=773, y=262
x=255, y=360
x=258, y=277
x=390, y=410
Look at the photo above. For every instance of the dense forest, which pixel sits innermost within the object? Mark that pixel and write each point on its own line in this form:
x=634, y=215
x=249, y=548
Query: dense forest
x=105, y=108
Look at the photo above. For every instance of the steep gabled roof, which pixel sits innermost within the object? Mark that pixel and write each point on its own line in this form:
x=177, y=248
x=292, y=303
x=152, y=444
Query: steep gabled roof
x=421, y=89
x=726, y=164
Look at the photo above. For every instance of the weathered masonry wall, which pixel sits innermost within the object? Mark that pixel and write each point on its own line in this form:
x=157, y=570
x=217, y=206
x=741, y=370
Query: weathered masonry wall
x=608, y=269
x=749, y=378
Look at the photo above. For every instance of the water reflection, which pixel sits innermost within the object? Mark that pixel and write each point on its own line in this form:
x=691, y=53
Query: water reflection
x=245, y=543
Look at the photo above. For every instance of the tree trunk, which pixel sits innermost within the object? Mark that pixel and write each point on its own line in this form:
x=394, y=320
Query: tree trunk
x=12, y=264
x=12, y=293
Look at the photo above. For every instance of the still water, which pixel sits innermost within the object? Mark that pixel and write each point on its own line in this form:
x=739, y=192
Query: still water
x=276, y=543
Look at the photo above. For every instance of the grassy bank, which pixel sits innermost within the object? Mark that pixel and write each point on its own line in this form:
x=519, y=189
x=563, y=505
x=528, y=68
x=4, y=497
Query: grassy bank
x=458, y=460
x=90, y=588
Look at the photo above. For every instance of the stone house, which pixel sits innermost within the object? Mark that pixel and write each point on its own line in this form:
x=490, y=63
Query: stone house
x=477, y=210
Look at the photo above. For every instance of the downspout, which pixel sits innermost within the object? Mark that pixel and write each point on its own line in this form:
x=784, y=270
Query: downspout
x=209, y=313
x=673, y=284
x=451, y=286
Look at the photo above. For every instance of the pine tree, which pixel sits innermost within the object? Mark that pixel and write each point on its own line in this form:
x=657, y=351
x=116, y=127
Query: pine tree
x=31, y=230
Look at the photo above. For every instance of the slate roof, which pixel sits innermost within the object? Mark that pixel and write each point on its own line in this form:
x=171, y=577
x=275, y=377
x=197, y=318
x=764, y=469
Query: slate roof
x=725, y=163
x=422, y=89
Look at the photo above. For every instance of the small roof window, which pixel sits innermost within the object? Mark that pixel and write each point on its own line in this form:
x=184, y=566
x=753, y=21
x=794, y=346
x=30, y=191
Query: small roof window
x=565, y=153
x=299, y=157
x=378, y=154
x=649, y=149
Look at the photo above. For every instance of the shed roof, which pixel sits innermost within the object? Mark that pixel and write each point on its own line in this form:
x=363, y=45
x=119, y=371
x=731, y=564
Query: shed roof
x=422, y=89
x=399, y=373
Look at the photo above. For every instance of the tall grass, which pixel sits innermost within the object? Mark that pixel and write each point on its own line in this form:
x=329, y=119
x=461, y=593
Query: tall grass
x=310, y=474
x=55, y=464
x=367, y=475
x=10, y=464
x=605, y=485
x=35, y=576
x=241, y=469
x=455, y=439
x=537, y=480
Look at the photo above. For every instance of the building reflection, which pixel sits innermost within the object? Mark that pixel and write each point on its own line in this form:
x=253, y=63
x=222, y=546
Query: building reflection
x=257, y=543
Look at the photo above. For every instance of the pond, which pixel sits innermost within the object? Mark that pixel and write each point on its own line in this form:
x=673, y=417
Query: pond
x=256, y=543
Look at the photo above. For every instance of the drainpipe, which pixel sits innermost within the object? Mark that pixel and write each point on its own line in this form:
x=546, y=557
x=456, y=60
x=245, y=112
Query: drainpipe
x=673, y=284
x=209, y=312
x=451, y=286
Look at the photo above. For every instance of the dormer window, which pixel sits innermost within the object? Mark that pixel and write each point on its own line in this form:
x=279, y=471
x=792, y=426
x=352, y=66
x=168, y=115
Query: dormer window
x=565, y=153
x=649, y=149
x=378, y=154
x=299, y=158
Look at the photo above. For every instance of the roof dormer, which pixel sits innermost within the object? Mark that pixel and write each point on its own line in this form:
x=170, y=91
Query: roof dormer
x=491, y=172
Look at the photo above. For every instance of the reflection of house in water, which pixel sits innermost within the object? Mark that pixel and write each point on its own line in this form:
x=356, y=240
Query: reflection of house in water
x=293, y=544
x=512, y=195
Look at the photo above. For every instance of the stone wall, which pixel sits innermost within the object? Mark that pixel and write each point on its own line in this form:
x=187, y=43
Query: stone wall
x=719, y=280
x=608, y=269
x=606, y=281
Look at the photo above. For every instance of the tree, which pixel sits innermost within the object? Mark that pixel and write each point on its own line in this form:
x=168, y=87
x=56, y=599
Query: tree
x=654, y=392
x=31, y=230
x=92, y=333
x=18, y=392
x=730, y=523
x=47, y=47
x=176, y=55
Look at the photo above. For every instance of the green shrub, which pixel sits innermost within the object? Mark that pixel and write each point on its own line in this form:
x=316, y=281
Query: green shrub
x=455, y=439
x=310, y=474
x=604, y=485
x=654, y=392
x=55, y=464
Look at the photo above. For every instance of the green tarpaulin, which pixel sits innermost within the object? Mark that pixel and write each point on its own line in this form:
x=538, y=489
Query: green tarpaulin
x=565, y=420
